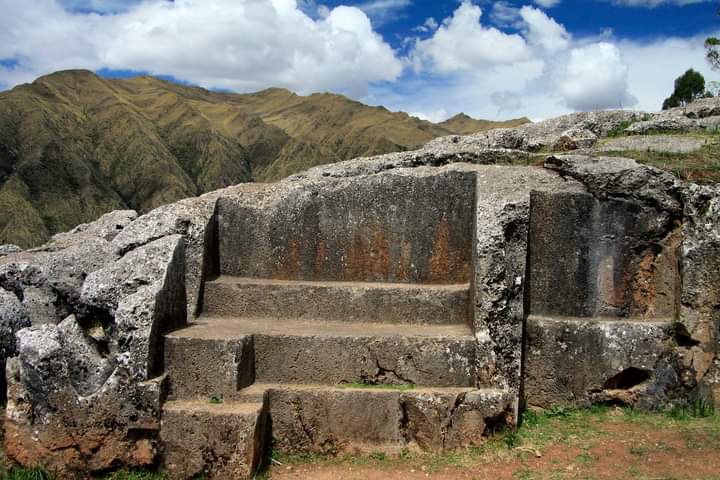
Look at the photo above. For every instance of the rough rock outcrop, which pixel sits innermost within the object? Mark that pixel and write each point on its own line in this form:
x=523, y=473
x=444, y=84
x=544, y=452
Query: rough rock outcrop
x=7, y=249
x=81, y=392
x=652, y=143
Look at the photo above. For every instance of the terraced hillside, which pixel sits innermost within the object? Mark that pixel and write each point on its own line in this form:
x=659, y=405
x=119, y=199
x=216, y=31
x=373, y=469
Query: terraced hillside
x=74, y=145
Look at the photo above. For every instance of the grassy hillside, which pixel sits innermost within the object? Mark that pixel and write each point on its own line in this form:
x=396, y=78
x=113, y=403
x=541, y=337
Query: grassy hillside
x=74, y=145
x=465, y=125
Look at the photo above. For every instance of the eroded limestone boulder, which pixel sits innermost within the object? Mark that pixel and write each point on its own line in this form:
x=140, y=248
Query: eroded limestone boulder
x=83, y=391
x=8, y=249
x=700, y=340
x=579, y=130
x=106, y=227
x=652, y=143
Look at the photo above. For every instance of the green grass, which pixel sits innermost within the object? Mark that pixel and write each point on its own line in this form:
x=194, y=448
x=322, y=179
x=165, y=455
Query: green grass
x=38, y=473
x=402, y=387
x=136, y=475
x=700, y=166
x=26, y=474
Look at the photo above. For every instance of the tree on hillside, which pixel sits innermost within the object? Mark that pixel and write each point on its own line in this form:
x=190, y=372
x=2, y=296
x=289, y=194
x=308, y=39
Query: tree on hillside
x=712, y=51
x=688, y=87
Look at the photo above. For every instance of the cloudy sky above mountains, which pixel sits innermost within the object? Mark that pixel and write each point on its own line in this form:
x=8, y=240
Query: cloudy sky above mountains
x=490, y=59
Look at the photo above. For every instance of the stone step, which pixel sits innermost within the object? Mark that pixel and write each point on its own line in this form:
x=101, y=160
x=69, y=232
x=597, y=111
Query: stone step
x=303, y=351
x=215, y=441
x=332, y=419
x=346, y=301
x=205, y=367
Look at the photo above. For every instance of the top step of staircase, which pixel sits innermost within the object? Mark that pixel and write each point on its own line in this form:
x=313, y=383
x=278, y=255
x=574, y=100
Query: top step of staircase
x=402, y=303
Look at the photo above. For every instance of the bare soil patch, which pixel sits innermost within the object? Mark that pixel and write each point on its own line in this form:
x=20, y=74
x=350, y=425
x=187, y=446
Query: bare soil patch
x=586, y=444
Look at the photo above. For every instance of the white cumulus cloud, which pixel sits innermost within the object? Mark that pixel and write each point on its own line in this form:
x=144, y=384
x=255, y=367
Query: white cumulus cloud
x=234, y=44
x=543, y=60
x=656, y=3
x=632, y=3
x=543, y=31
x=462, y=42
x=596, y=77
x=547, y=3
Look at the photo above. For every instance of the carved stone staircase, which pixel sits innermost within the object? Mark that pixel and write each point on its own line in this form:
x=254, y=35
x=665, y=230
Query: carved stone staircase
x=301, y=356
x=353, y=338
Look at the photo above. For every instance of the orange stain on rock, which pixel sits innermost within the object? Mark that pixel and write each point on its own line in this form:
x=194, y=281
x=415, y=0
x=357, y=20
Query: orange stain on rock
x=288, y=266
x=446, y=264
x=368, y=261
x=320, y=256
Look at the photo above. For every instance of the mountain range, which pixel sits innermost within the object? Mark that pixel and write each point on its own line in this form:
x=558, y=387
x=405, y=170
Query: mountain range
x=74, y=145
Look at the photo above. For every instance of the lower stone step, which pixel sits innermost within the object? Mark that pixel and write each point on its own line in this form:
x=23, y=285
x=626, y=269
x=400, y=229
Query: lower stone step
x=346, y=301
x=212, y=441
x=330, y=353
x=349, y=419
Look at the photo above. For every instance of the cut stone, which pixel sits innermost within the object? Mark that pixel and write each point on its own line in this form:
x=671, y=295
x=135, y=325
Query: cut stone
x=301, y=351
x=217, y=441
x=330, y=420
x=593, y=258
x=388, y=228
x=580, y=361
x=346, y=301
x=203, y=368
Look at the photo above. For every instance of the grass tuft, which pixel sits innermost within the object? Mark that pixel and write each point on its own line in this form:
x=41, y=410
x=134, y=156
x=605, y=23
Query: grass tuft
x=137, y=475
x=18, y=473
x=402, y=387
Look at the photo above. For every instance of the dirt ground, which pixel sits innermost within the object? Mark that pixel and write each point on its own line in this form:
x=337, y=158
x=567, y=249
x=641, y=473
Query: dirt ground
x=610, y=444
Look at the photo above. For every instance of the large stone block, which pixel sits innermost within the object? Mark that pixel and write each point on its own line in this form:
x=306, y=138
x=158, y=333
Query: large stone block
x=335, y=420
x=333, y=359
x=202, y=368
x=387, y=228
x=600, y=258
x=581, y=361
x=220, y=441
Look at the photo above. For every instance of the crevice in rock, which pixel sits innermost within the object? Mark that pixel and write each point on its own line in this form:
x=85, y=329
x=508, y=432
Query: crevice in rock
x=404, y=422
x=448, y=423
x=307, y=431
x=388, y=373
x=626, y=379
x=495, y=423
x=681, y=336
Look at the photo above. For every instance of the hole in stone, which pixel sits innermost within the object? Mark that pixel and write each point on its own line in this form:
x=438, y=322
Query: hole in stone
x=682, y=336
x=626, y=379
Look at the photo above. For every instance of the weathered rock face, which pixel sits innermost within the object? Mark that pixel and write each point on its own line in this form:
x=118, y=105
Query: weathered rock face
x=81, y=396
x=569, y=132
x=699, y=338
x=702, y=115
x=588, y=279
x=7, y=249
x=601, y=258
x=652, y=143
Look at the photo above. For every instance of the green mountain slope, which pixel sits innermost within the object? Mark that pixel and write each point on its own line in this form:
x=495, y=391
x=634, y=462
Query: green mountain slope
x=465, y=125
x=74, y=145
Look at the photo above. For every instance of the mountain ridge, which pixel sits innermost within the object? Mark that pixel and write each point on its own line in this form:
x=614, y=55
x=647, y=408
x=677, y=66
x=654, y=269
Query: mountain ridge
x=74, y=145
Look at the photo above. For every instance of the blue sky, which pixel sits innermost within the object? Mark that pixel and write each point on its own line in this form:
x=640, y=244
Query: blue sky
x=490, y=59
